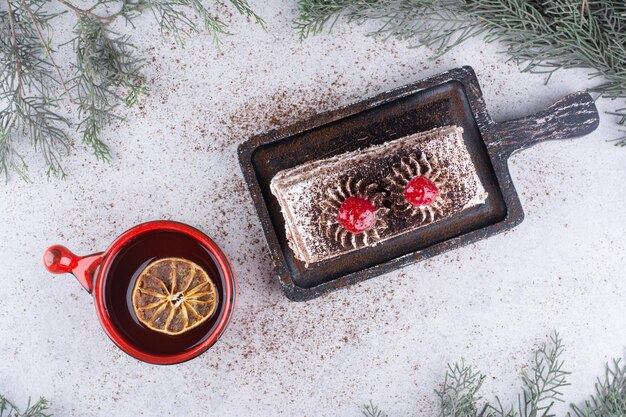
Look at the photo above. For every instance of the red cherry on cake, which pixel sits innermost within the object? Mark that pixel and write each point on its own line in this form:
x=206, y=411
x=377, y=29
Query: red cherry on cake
x=357, y=215
x=420, y=191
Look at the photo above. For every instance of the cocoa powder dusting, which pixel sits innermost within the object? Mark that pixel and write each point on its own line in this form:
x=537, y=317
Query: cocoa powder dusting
x=283, y=108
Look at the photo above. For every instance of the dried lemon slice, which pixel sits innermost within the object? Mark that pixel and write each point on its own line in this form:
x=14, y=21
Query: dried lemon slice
x=174, y=295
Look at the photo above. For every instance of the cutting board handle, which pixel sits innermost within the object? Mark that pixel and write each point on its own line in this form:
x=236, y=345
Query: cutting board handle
x=572, y=116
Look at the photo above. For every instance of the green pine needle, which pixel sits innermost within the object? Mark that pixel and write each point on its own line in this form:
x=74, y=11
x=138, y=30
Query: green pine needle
x=458, y=393
x=107, y=71
x=541, y=36
x=37, y=409
x=541, y=388
x=370, y=410
x=27, y=90
x=609, y=399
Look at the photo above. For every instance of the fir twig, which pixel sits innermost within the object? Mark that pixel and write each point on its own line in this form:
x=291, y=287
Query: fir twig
x=45, y=43
x=370, y=410
x=541, y=36
x=609, y=399
x=37, y=409
x=243, y=7
x=107, y=73
x=104, y=65
x=458, y=394
x=25, y=79
x=167, y=13
x=542, y=387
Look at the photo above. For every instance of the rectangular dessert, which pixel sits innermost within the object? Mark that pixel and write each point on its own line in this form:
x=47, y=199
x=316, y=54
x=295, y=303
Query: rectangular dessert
x=337, y=205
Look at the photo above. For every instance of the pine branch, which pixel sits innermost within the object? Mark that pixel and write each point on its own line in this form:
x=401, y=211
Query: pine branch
x=25, y=80
x=104, y=66
x=316, y=15
x=541, y=36
x=610, y=397
x=243, y=7
x=45, y=43
x=38, y=409
x=458, y=393
x=10, y=159
x=171, y=20
x=370, y=410
x=107, y=73
x=543, y=387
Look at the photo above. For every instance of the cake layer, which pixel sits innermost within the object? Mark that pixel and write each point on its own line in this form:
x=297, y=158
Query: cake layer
x=310, y=195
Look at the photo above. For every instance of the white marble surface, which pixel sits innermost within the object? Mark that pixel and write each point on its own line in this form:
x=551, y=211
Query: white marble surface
x=387, y=339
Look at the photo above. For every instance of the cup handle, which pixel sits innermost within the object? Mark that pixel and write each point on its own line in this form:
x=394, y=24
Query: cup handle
x=60, y=260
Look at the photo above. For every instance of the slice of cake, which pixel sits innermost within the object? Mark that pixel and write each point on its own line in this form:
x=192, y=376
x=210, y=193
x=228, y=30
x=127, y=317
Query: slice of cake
x=340, y=204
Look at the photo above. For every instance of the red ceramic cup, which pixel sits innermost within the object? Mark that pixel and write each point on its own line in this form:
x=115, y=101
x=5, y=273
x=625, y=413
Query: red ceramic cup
x=110, y=276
